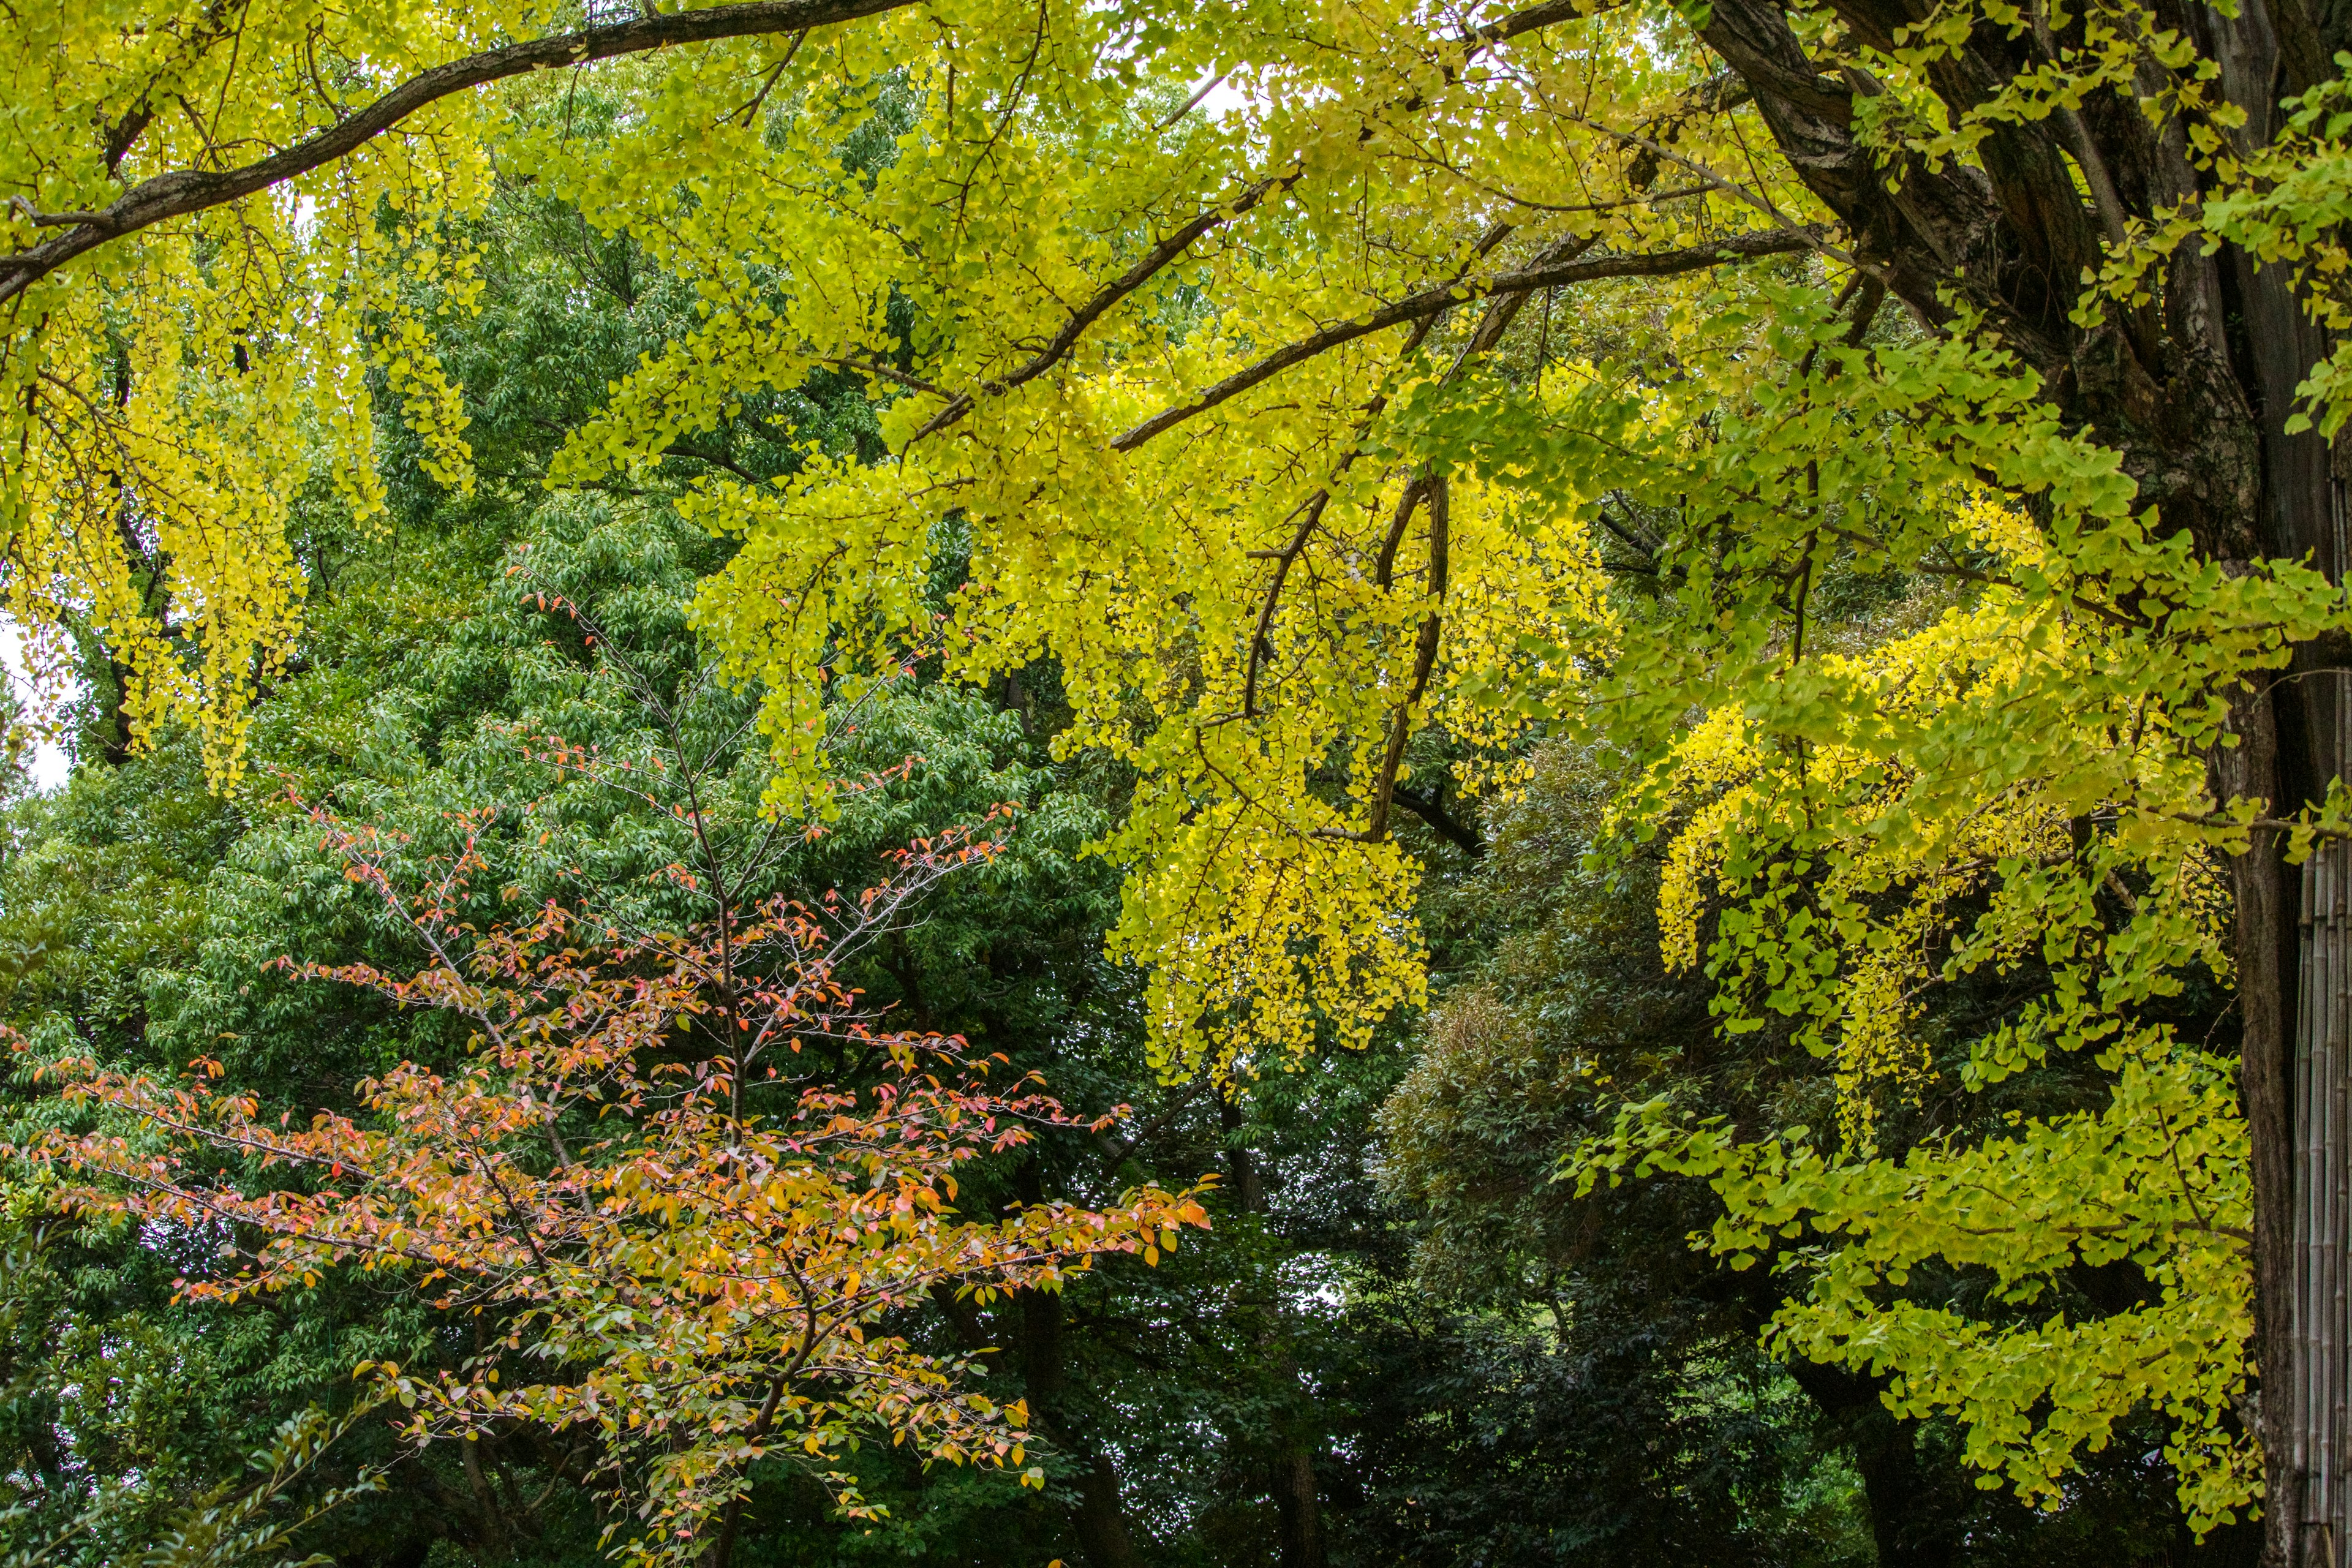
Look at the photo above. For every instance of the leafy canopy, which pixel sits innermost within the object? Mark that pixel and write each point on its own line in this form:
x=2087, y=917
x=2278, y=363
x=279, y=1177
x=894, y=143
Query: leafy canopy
x=1312, y=423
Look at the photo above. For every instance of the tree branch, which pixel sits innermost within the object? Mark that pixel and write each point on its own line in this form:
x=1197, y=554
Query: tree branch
x=1430, y=301
x=1432, y=810
x=1169, y=249
x=714, y=459
x=184, y=191
x=1538, y=16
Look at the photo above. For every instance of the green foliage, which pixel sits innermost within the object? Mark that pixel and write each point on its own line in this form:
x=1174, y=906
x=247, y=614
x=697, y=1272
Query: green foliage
x=235, y=1524
x=1219, y=481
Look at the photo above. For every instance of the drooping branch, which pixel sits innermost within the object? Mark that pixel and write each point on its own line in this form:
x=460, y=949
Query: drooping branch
x=1152, y=262
x=1261, y=647
x=186, y=190
x=1430, y=301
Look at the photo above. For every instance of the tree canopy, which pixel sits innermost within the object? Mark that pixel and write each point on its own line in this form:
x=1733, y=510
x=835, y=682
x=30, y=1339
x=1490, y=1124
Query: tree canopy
x=1894, y=441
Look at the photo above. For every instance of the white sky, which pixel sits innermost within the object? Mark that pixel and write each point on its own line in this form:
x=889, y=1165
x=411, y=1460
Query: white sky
x=48, y=760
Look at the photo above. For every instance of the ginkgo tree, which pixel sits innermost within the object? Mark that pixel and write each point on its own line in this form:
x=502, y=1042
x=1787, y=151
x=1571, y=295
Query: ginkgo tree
x=1333, y=387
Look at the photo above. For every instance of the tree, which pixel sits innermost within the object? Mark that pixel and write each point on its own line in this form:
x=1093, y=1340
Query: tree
x=1236, y=413
x=229, y=1525
x=698, y=1274
x=1534, y=1048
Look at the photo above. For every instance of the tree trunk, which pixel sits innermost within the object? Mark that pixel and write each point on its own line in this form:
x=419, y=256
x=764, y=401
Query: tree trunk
x=2294, y=1095
x=1298, y=1509
x=1297, y=1499
x=2315, y=1415
x=2250, y=769
x=1910, y=1524
x=1101, y=1516
x=2312, y=1516
x=1099, y=1519
x=2194, y=391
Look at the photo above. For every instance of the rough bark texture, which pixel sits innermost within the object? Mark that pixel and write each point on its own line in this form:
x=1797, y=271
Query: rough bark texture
x=2265, y=921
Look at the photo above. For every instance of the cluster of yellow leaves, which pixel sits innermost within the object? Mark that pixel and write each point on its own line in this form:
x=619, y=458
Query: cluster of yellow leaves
x=1842, y=866
x=1884, y=909
x=165, y=404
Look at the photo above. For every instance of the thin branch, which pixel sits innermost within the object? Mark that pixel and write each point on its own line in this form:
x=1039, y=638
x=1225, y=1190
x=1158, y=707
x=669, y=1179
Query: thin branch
x=1169, y=249
x=1434, y=491
x=887, y=373
x=751, y=110
x=1261, y=639
x=184, y=191
x=1261, y=647
x=39, y=219
x=715, y=459
x=1119, y=1149
x=1430, y=301
x=1190, y=104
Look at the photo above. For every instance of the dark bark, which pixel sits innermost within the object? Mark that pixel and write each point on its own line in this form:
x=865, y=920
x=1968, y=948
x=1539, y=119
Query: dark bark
x=1431, y=809
x=1906, y=1526
x=2265, y=923
x=1297, y=1495
x=1249, y=1195
x=2193, y=391
x=1436, y=301
x=2158, y=384
x=1299, y=1508
x=1101, y=1516
x=1099, y=1519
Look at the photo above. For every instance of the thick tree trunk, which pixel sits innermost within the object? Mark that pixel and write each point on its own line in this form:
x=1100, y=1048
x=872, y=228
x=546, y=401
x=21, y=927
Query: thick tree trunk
x=2250, y=769
x=1101, y=1516
x=2292, y=1058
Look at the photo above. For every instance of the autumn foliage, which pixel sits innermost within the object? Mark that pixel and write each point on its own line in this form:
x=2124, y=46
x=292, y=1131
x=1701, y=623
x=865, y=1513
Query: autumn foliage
x=676, y=1238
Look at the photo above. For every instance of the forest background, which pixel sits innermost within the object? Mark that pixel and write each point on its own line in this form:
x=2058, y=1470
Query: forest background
x=1595, y=687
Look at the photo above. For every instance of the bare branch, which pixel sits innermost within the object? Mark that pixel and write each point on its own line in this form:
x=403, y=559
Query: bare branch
x=1203, y=91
